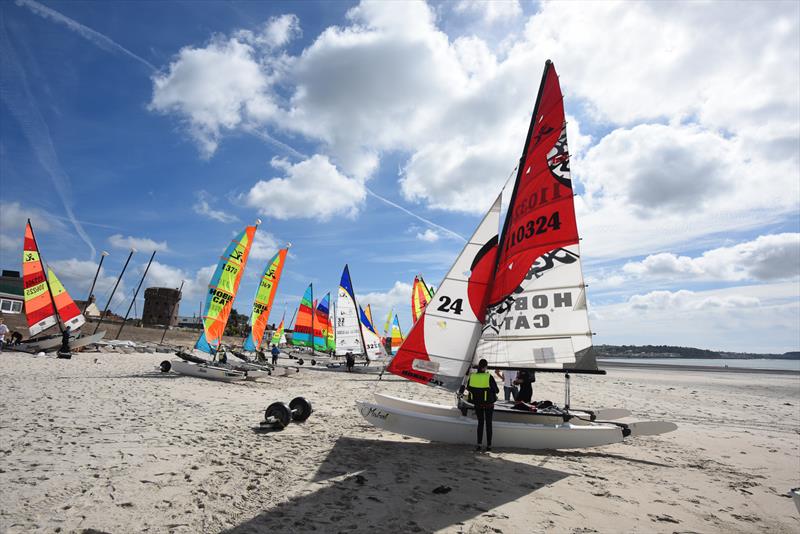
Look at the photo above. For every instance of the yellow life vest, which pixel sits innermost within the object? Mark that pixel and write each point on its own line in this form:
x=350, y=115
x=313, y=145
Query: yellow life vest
x=479, y=380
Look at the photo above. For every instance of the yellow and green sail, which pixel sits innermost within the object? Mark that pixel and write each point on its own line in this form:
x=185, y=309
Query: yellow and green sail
x=420, y=297
x=262, y=303
x=222, y=290
x=397, y=335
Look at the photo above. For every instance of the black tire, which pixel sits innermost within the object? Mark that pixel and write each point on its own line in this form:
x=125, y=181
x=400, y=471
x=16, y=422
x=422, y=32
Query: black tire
x=300, y=361
x=279, y=414
x=165, y=366
x=313, y=362
x=301, y=409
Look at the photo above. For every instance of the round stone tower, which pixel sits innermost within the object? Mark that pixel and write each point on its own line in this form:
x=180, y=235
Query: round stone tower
x=160, y=306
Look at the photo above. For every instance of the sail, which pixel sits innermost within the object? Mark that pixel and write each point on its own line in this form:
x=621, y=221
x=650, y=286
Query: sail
x=262, y=303
x=420, y=296
x=439, y=348
x=397, y=335
x=222, y=290
x=368, y=313
x=38, y=305
x=277, y=337
x=388, y=324
x=302, y=325
x=372, y=341
x=68, y=311
x=322, y=323
x=348, y=329
x=537, y=315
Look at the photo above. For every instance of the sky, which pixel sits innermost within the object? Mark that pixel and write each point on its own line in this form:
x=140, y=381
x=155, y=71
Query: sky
x=378, y=133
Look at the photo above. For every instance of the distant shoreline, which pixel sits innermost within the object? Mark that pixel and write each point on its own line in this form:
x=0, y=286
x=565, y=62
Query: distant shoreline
x=603, y=364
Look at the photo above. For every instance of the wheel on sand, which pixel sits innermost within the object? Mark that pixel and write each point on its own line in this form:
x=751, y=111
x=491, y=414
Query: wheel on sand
x=300, y=361
x=165, y=366
x=313, y=362
x=278, y=414
x=301, y=409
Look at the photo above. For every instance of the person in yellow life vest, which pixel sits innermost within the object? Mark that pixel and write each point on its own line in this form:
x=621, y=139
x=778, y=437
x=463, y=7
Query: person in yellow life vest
x=483, y=392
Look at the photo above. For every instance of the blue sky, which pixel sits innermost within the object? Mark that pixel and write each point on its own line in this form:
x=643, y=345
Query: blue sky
x=170, y=125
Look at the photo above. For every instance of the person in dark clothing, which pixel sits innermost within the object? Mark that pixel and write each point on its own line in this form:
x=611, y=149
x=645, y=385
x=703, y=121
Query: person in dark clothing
x=483, y=392
x=64, y=352
x=525, y=380
x=351, y=361
x=275, y=351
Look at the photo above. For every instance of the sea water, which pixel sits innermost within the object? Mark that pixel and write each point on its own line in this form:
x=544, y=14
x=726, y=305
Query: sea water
x=788, y=365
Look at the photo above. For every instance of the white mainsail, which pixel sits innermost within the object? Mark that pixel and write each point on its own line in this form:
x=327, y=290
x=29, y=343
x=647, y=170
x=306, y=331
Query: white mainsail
x=348, y=327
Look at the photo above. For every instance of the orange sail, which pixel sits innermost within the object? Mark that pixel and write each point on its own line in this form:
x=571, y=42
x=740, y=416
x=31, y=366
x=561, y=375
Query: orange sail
x=67, y=309
x=38, y=303
x=222, y=290
x=420, y=297
x=262, y=303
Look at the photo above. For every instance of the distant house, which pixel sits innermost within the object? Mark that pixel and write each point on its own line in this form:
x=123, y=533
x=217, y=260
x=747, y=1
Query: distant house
x=12, y=304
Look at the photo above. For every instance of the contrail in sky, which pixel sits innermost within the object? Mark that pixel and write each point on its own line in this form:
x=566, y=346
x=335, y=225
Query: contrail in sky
x=87, y=33
x=423, y=219
x=22, y=106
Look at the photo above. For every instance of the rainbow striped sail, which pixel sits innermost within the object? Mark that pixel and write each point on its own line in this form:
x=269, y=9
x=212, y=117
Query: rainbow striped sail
x=67, y=309
x=420, y=297
x=39, y=308
x=262, y=303
x=222, y=290
x=277, y=337
x=397, y=335
x=302, y=324
x=322, y=323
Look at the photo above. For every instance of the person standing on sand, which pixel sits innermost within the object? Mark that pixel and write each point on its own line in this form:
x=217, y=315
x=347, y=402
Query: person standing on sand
x=509, y=389
x=351, y=361
x=483, y=392
x=3, y=332
x=275, y=351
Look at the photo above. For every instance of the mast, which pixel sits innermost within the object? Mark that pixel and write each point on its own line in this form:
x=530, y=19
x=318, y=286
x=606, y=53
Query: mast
x=97, y=272
x=105, y=310
x=313, y=313
x=166, y=326
x=47, y=281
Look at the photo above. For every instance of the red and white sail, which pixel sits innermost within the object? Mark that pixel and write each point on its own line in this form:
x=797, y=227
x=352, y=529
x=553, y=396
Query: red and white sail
x=439, y=348
x=39, y=309
x=537, y=314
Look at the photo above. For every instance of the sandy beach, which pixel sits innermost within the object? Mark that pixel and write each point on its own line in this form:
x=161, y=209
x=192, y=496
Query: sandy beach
x=103, y=442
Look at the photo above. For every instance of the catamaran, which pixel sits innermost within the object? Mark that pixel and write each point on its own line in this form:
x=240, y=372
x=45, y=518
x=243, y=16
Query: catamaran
x=355, y=333
x=47, y=304
x=520, y=303
x=259, y=316
x=222, y=291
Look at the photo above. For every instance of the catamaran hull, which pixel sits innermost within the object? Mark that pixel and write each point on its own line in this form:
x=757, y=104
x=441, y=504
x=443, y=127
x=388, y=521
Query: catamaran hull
x=52, y=344
x=501, y=413
x=209, y=372
x=459, y=429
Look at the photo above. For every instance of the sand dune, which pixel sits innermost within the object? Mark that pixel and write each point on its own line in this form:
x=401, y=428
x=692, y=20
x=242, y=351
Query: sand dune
x=105, y=442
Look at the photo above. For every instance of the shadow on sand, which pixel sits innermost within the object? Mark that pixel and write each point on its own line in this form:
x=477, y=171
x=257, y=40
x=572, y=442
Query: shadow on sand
x=366, y=485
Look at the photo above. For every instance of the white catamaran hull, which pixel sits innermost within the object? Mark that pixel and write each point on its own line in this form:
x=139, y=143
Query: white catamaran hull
x=51, y=344
x=502, y=413
x=207, y=371
x=458, y=429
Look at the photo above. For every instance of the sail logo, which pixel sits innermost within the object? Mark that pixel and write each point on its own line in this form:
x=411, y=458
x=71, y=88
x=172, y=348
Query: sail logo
x=558, y=159
x=523, y=321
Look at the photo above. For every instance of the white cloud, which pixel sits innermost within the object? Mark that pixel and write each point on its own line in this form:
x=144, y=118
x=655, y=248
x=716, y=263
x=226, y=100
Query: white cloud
x=77, y=276
x=760, y=318
x=431, y=236
x=490, y=11
x=398, y=297
x=277, y=32
x=216, y=89
x=13, y=218
x=313, y=188
x=265, y=245
x=142, y=244
x=766, y=258
x=391, y=80
x=203, y=207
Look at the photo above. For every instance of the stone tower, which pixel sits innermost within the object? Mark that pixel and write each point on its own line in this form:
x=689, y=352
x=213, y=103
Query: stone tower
x=161, y=306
